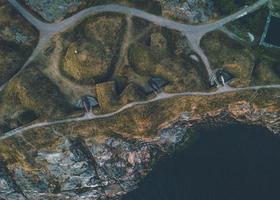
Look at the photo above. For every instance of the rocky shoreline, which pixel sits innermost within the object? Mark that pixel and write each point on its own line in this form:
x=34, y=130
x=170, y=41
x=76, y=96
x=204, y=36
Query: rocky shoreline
x=108, y=167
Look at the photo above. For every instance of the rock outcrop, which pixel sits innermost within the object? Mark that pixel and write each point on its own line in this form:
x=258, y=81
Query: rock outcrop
x=193, y=11
x=53, y=10
x=107, y=167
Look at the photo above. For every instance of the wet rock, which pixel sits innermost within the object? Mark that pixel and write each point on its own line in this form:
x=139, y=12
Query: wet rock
x=107, y=167
x=173, y=135
x=194, y=11
x=53, y=10
x=79, y=169
x=9, y=189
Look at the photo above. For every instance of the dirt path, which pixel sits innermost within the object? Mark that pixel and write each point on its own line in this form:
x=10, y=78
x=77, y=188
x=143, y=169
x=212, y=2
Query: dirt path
x=125, y=44
x=194, y=33
x=70, y=89
x=160, y=96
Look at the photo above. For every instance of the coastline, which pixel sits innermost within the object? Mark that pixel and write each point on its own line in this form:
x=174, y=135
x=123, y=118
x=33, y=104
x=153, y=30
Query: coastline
x=112, y=166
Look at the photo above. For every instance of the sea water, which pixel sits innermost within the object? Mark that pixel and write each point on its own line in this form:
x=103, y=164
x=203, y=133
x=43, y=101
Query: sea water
x=235, y=162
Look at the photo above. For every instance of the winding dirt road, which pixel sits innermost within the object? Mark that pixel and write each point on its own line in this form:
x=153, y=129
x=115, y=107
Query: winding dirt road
x=160, y=96
x=194, y=33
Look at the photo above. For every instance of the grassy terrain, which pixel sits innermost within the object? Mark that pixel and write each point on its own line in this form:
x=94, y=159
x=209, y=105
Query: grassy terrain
x=275, y=6
x=93, y=48
x=230, y=55
x=267, y=67
x=105, y=50
x=131, y=93
x=34, y=91
x=151, y=52
x=142, y=122
x=17, y=41
x=12, y=57
x=106, y=95
x=250, y=65
x=151, y=6
x=253, y=23
x=227, y=7
x=148, y=119
x=267, y=73
x=162, y=53
x=29, y=97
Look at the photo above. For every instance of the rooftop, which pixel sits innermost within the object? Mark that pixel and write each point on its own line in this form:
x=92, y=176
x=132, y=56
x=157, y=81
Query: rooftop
x=271, y=35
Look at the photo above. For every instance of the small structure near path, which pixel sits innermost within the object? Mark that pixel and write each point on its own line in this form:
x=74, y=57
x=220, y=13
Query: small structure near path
x=223, y=77
x=270, y=37
x=86, y=103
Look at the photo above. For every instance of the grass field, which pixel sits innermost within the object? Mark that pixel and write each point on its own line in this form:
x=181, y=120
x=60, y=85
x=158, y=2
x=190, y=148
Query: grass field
x=250, y=65
x=93, y=48
x=128, y=52
x=29, y=97
x=253, y=23
x=17, y=41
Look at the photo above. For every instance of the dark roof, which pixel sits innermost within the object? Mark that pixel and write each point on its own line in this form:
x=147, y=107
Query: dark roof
x=273, y=32
x=226, y=75
x=89, y=100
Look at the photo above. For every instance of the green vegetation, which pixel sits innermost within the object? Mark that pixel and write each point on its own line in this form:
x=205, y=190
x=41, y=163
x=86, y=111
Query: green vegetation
x=164, y=55
x=267, y=73
x=142, y=59
x=131, y=93
x=56, y=10
x=12, y=57
x=17, y=40
x=253, y=23
x=140, y=122
x=226, y=7
x=117, y=57
x=93, y=49
x=148, y=119
x=250, y=65
x=36, y=92
x=151, y=6
x=31, y=96
x=120, y=60
x=267, y=66
x=275, y=6
x=106, y=95
x=230, y=55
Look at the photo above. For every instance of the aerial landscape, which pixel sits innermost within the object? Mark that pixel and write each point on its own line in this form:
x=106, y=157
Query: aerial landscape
x=139, y=99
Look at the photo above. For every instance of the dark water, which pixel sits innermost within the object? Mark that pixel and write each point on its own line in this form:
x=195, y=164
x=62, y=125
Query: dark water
x=236, y=162
x=273, y=33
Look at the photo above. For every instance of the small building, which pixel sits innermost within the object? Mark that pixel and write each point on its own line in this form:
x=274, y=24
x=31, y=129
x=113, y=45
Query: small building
x=86, y=103
x=155, y=85
x=270, y=37
x=223, y=76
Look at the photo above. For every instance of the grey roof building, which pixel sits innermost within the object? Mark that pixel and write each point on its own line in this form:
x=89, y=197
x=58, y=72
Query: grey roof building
x=87, y=102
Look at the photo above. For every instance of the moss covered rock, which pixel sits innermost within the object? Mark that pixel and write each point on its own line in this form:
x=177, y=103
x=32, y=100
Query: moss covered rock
x=91, y=56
